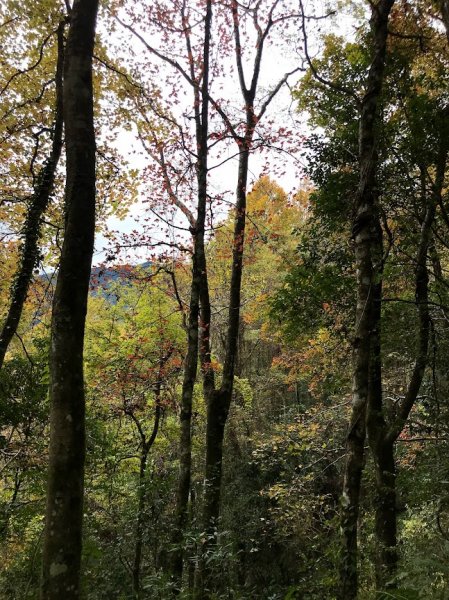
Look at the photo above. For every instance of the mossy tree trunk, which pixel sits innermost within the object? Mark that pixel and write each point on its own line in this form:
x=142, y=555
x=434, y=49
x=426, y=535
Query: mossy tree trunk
x=64, y=513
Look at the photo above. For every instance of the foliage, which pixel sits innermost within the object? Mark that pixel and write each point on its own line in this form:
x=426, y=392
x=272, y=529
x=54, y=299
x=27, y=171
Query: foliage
x=278, y=534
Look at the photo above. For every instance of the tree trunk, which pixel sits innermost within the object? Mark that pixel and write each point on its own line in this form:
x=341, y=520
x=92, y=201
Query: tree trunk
x=386, y=518
x=64, y=513
x=217, y=412
x=185, y=439
x=140, y=524
x=383, y=454
x=383, y=436
x=191, y=561
x=355, y=443
x=146, y=446
x=219, y=401
x=199, y=287
x=365, y=232
x=29, y=251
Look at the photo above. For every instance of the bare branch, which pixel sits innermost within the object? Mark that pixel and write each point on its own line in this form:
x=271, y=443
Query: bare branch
x=274, y=92
x=238, y=48
x=33, y=66
x=330, y=84
x=156, y=52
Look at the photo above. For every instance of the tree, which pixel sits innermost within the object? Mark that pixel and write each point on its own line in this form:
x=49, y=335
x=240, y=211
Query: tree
x=367, y=234
x=64, y=513
x=43, y=182
x=217, y=376
x=244, y=128
x=425, y=124
x=398, y=209
x=134, y=357
x=219, y=398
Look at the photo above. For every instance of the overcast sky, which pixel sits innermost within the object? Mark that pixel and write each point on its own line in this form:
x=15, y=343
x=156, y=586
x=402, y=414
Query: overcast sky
x=276, y=62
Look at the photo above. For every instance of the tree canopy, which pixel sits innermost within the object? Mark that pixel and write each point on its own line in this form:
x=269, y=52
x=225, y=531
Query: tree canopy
x=224, y=300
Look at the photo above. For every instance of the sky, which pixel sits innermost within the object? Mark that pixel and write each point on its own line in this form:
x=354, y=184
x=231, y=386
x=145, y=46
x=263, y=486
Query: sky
x=282, y=56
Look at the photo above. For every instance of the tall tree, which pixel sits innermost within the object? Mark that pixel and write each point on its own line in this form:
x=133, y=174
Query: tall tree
x=198, y=290
x=414, y=124
x=64, y=513
x=384, y=429
x=219, y=398
x=367, y=235
x=229, y=26
x=36, y=206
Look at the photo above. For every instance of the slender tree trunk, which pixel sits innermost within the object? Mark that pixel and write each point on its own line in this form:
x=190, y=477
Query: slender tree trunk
x=383, y=436
x=384, y=464
x=9, y=508
x=217, y=412
x=219, y=401
x=29, y=251
x=140, y=524
x=146, y=445
x=386, y=518
x=383, y=454
x=190, y=372
x=64, y=514
x=365, y=231
x=185, y=440
x=355, y=462
x=191, y=563
x=199, y=287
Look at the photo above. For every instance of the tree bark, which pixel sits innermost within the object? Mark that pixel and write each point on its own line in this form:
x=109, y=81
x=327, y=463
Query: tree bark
x=199, y=287
x=219, y=400
x=384, y=463
x=366, y=230
x=382, y=435
x=185, y=437
x=386, y=518
x=64, y=513
x=140, y=523
x=29, y=251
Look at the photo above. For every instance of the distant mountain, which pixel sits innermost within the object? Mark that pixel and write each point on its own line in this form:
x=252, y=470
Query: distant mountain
x=103, y=277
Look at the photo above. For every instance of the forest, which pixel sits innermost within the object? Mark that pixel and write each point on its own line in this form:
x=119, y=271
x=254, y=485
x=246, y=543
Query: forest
x=224, y=300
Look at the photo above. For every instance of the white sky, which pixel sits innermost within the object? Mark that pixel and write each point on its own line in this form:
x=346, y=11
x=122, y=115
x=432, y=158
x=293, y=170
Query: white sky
x=276, y=62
